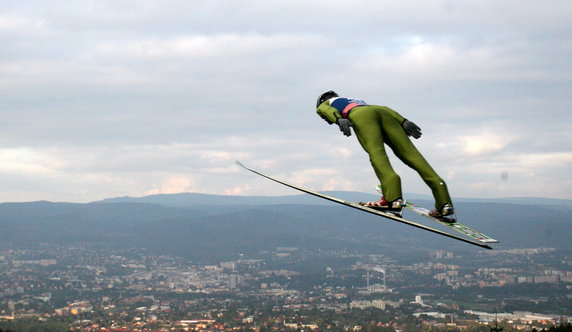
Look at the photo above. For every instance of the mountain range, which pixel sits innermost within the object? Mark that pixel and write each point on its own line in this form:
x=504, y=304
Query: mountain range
x=210, y=228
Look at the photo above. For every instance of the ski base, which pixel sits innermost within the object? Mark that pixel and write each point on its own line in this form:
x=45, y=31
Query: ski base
x=458, y=227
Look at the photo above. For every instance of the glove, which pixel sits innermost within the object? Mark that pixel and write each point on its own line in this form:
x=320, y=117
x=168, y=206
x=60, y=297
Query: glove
x=345, y=126
x=411, y=129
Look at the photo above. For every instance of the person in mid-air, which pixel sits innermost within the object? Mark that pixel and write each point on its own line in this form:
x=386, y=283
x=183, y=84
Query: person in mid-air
x=374, y=127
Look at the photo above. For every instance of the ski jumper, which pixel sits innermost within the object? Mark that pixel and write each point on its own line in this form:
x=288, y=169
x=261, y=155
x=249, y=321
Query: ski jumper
x=377, y=126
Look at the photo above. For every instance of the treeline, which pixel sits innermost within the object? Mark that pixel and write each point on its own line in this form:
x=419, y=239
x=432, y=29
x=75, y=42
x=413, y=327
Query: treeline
x=31, y=325
x=564, y=327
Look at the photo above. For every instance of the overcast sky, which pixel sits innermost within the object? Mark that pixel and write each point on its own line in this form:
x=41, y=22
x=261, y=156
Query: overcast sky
x=109, y=98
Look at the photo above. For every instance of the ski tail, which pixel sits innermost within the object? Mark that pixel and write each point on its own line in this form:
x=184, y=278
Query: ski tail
x=456, y=226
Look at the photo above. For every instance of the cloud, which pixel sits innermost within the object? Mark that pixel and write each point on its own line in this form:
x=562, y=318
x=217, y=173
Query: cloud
x=206, y=46
x=28, y=161
x=20, y=24
x=547, y=162
x=237, y=191
x=108, y=99
x=443, y=61
x=173, y=185
x=487, y=143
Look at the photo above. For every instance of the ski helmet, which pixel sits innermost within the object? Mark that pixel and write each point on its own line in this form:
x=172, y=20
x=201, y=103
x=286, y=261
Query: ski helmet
x=325, y=96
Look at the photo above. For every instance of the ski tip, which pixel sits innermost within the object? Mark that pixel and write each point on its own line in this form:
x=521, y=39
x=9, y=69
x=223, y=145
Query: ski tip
x=239, y=164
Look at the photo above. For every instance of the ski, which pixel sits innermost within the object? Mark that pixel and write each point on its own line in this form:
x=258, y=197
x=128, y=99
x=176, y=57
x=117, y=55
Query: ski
x=465, y=230
x=365, y=209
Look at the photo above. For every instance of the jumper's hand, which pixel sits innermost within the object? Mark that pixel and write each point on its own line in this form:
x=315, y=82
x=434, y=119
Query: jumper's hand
x=345, y=126
x=411, y=129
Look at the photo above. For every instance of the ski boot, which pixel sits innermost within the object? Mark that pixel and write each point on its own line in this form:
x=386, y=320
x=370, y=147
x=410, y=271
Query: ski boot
x=395, y=207
x=447, y=213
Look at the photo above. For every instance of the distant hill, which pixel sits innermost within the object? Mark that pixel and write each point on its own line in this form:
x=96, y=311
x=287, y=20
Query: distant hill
x=196, y=199
x=210, y=228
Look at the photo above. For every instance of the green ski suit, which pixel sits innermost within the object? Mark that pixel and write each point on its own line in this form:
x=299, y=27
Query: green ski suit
x=375, y=126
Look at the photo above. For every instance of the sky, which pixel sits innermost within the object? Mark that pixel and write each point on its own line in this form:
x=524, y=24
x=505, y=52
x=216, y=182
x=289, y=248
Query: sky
x=104, y=98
